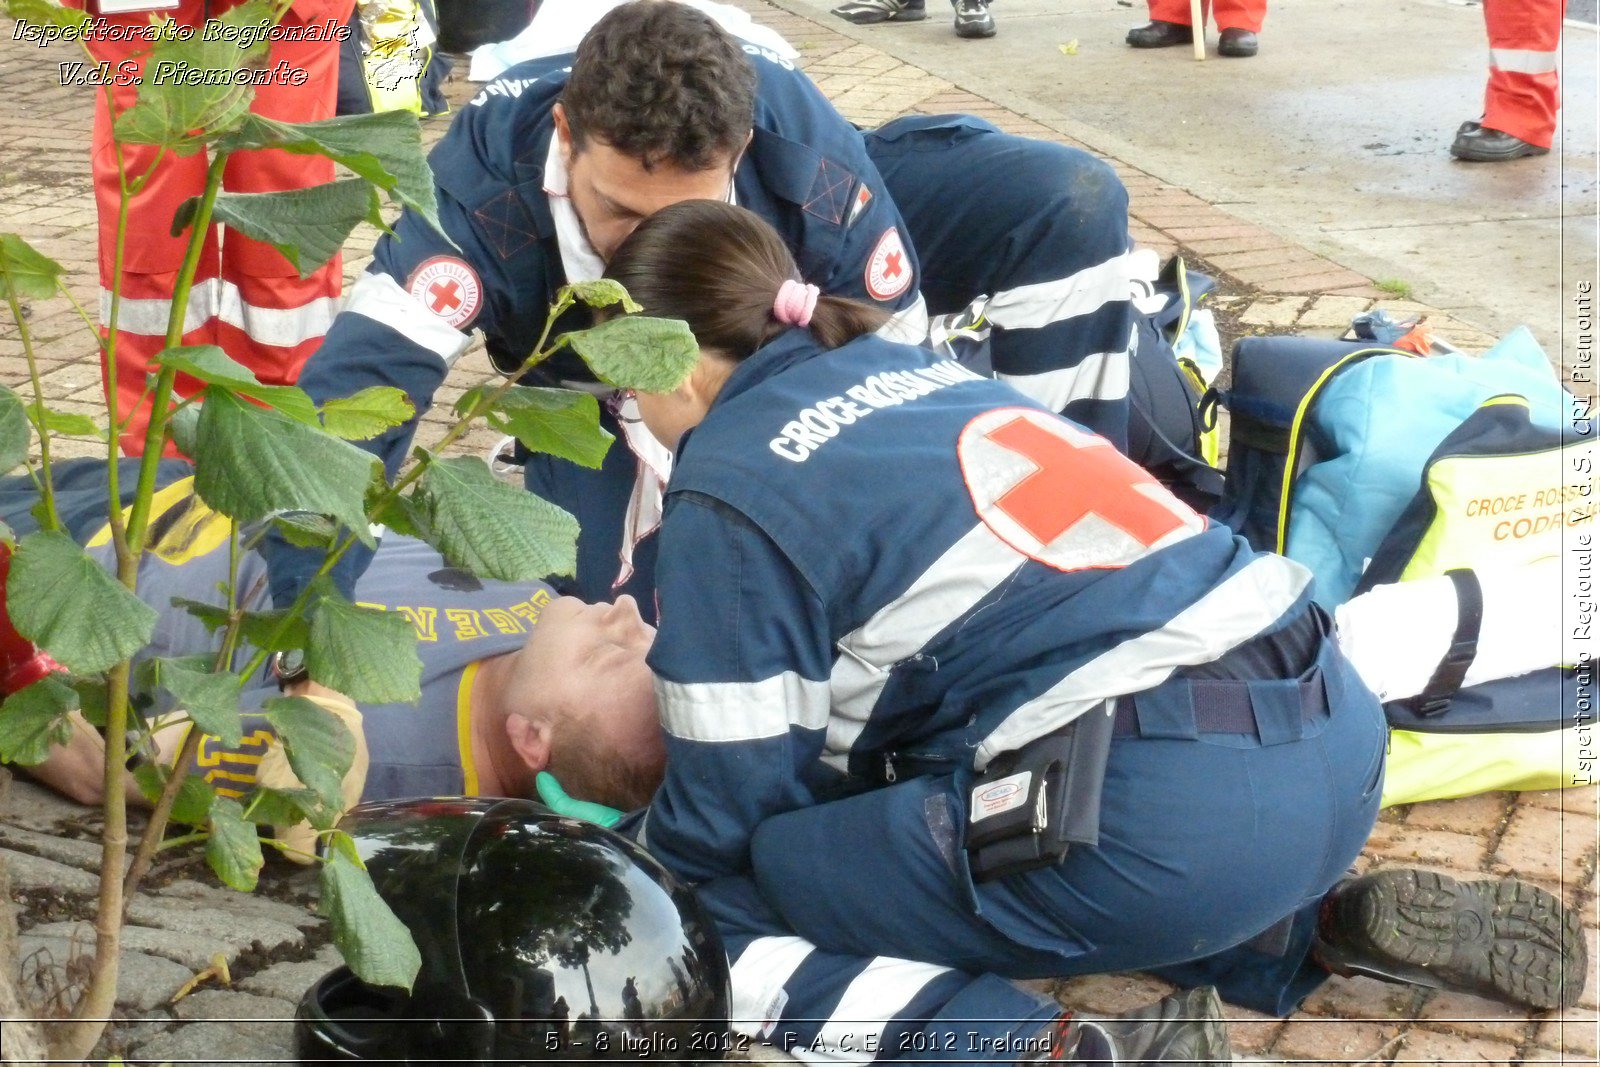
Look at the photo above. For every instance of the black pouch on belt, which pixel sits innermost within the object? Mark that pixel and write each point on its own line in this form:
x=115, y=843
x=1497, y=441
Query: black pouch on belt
x=1031, y=805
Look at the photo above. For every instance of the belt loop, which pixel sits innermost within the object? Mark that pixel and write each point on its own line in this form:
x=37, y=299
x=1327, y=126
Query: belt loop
x=1279, y=709
x=1166, y=711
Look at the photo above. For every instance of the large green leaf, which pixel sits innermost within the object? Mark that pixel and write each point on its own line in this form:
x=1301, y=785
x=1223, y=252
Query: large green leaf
x=191, y=807
x=258, y=627
x=494, y=530
x=286, y=807
x=384, y=148
x=183, y=426
x=25, y=273
x=375, y=943
x=233, y=850
x=560, y=422
x=367, y=654
x=189, y=89
x=94, y=699
x=367, y=413
x=210, y=698
x=319, y=746
x=251, y=462
x=305, y=530
x=639, y=352
x=60, y=599
x=604, y=292
x=38, y=13
x=307, y=225
x=63, y=423
x=15, y=434
x=213, y=366
x=34, y=719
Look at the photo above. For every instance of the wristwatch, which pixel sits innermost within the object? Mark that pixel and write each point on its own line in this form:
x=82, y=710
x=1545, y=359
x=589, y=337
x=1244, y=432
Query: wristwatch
x=289, y=667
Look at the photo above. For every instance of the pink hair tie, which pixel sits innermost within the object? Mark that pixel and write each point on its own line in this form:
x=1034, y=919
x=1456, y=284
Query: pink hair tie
x=795, y=303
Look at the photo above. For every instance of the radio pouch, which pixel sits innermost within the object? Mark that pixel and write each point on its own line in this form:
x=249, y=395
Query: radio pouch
x=1031, y=805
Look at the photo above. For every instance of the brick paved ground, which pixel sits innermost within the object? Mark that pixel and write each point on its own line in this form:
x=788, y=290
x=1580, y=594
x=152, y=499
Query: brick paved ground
x=1267, y=284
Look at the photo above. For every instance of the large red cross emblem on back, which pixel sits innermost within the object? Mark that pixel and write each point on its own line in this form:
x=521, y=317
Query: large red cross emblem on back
x=1064, y=496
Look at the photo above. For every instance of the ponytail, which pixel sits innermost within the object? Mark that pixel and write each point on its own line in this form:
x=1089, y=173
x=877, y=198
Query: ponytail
x=839, y=320
x=720, y=269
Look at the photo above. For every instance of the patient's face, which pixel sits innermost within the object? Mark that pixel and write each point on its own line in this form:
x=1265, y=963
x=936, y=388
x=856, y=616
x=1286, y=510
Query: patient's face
x=589, y=659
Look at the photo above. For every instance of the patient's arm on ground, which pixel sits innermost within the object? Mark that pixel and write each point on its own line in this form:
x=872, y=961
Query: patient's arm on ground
x=275, y=772
x=77, y=769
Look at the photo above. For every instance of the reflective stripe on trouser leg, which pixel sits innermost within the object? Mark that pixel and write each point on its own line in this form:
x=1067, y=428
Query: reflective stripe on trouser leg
x=141, y=334
x=271, y=318
x=1523, y=94
x=1039, y=228
x=831, y=1009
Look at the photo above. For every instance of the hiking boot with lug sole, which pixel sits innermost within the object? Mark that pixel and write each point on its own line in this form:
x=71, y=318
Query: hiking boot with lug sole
x=1498, y=938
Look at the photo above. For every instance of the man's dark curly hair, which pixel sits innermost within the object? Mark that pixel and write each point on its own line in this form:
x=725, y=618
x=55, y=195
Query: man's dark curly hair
x=660, y=81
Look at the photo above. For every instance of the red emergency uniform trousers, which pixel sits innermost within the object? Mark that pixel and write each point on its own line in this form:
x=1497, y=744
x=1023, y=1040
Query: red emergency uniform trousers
x=247, y=298
x=1224, y=14
x=1524, y=91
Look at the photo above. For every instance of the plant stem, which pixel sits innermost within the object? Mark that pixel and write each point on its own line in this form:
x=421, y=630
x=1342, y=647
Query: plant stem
x=138, y=521
x=289, y=850
x=174, y=842
x=95, y=1006
x=47, y=495
x=150, y=841
x=99, y=998
x=119, y=532
x=155, y=433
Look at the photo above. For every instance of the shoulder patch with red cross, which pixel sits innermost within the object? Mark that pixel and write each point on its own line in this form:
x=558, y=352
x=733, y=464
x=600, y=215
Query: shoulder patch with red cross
x=888, y=268
x=448, y=288
x=1064, y=496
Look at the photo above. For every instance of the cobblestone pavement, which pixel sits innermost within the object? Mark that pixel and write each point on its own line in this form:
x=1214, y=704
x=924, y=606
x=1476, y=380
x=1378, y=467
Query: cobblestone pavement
x=275, y=947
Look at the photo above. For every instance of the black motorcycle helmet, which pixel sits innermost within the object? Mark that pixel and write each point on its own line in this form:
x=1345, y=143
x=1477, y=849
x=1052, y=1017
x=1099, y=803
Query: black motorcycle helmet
x=543, y=939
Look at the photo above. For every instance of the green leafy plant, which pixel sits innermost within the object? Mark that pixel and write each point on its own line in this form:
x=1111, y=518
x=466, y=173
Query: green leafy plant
x=265, y=455
x=1398, y=288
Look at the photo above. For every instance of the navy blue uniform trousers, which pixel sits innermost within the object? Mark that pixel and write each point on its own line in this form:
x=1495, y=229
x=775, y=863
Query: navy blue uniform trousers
x=1207, y=840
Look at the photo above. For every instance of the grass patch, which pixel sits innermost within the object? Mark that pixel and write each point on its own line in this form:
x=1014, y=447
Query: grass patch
x=1395, y=287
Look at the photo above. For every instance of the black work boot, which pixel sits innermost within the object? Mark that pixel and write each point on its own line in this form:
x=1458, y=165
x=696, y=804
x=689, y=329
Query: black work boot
x=1158, y=34
x=1183, y=1028
x=1477, y=143
x=1498, y=938
x=1239, y=44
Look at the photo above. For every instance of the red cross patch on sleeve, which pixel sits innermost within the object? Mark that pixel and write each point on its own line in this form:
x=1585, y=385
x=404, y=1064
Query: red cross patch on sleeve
x=448, y=288
x=889, y=268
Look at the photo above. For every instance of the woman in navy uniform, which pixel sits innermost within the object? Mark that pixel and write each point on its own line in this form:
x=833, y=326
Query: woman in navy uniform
x=1063, y=723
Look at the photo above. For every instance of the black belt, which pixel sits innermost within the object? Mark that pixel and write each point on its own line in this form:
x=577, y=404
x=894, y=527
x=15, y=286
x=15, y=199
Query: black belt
x=1224, y=704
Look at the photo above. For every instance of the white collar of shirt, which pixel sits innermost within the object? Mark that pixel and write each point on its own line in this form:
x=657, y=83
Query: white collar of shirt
x=579, y=260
